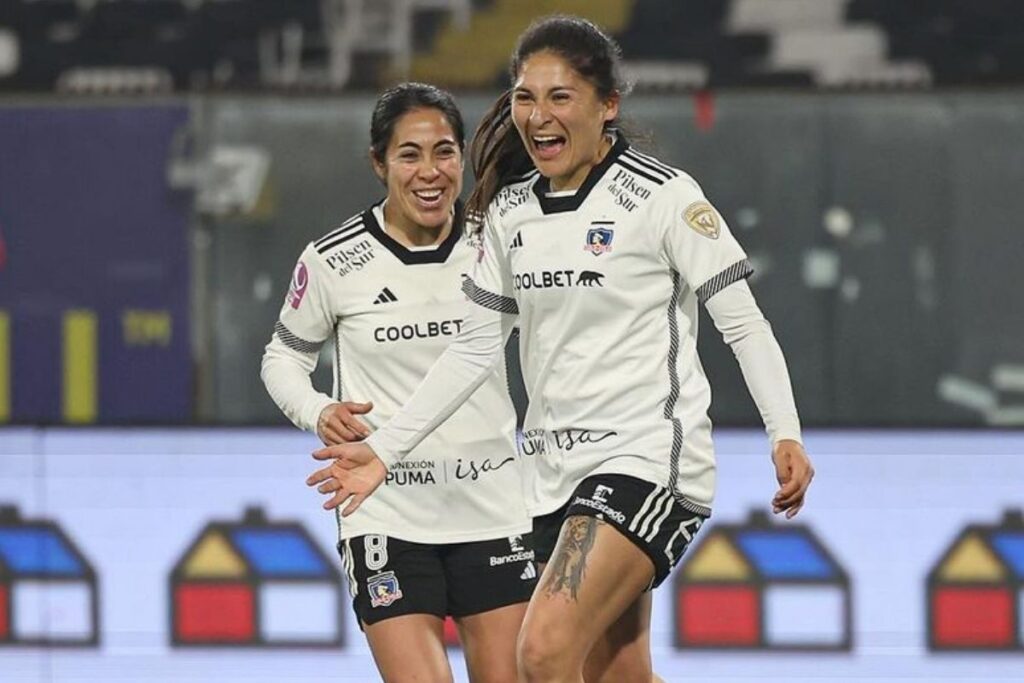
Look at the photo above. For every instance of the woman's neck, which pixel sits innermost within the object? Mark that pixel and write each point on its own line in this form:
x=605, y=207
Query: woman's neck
x=576, y=180
x=411, y=234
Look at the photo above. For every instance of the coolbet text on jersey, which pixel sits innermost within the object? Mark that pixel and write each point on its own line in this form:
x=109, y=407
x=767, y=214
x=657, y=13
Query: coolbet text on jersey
x=389, y=312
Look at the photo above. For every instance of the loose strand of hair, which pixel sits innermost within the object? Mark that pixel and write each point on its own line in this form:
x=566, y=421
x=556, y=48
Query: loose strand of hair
x=497, y=155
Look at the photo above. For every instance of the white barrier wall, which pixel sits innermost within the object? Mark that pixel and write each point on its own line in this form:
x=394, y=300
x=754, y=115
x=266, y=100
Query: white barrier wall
x=98, y=521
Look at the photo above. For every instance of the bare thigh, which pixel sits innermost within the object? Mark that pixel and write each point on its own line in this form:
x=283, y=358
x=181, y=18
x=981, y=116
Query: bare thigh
x=489, y=643
x=593, y=578
x=623, y=651
x=410, y=649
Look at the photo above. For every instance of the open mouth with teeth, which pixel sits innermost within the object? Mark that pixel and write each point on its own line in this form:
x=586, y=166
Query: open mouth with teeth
x=548, y=146
x=429, y=198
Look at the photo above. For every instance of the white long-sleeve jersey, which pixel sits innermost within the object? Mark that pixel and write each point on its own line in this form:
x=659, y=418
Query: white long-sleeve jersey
x=605, y=285
x=389, y=312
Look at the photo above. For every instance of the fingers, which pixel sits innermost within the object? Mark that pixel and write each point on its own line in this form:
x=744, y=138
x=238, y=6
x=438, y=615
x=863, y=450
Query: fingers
x=790, y=505
x=341, y=494
x=318, y=476
x=355, y=472
x=353, y=505
x=359, y=408
x=338, y=424
x=345, y=420
x=790, y=498
x=794, y=472
x=333, y=434
x=331, y=452
x=337, y=499
x=785, y=496
x=345, y=417
x=357, y=428
x=345, y=427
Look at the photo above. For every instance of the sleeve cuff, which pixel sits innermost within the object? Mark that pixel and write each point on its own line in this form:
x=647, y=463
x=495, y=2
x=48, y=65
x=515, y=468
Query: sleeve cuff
x=789, y=430
x=313, y=415
x=386, y=454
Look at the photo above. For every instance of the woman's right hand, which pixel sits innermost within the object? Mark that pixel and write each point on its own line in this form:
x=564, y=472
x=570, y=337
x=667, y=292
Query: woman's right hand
x=337, y=423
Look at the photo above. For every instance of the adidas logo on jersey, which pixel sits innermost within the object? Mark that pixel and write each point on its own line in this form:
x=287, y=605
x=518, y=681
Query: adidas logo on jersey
x=517, y=241
x=386, y=296
x=530, y=572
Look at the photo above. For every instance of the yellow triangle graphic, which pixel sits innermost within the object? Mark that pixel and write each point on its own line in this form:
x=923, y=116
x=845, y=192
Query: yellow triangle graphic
x=972, y=561
x=718, y=560
x=214, y=558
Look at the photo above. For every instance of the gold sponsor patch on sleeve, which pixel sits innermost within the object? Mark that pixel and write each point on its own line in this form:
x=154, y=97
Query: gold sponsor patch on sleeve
x=703, y=218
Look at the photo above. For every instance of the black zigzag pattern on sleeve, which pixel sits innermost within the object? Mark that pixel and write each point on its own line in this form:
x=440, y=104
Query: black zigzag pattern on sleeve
x=495, y=302
x=734, y=273
x=295, y=343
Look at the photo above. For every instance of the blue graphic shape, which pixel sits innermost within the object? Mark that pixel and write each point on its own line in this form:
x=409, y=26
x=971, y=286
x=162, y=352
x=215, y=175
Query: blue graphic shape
x=785, y=555
x=38, y=551
x=279, y=552
x=1010, y=547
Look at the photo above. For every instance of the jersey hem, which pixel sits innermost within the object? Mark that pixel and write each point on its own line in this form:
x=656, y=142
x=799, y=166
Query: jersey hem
x=446, y=539
x=547, y=507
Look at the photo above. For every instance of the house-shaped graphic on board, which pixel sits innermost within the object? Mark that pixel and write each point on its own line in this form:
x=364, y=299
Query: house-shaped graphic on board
x=48, y=589
x=976, y=589
x=255, y=583
x=762, y=586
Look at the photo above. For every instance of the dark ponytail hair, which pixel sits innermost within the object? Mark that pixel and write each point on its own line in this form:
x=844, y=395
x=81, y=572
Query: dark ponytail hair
x=395, y=102
x=497, y=151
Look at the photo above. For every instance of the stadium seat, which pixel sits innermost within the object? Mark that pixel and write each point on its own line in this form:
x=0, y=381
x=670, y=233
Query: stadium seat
x=697, y=43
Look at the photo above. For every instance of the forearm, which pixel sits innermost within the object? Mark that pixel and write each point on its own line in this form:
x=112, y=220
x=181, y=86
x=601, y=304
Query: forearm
x=286, y=375
x=744, y=328
x=453, y=378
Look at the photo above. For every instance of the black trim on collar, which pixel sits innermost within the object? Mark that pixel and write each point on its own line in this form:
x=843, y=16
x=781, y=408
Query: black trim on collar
x=415, y=257
x=573, y=201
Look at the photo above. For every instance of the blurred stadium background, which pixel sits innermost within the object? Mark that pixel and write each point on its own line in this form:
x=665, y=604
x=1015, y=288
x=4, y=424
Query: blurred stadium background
x=162, y=163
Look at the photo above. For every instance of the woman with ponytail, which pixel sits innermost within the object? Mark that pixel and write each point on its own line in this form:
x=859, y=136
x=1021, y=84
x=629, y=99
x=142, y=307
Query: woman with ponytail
x=601, y=254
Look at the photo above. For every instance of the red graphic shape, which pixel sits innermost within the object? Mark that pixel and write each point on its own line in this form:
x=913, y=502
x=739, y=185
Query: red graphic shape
x=451, y=633
x=704, y=110
x=5, y=633
x=973, y=617
x=718, y=616
x=215, y=613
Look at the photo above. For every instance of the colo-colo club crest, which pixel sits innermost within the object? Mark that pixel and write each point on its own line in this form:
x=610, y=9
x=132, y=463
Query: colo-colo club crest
x=599, y=238
x=383, y=589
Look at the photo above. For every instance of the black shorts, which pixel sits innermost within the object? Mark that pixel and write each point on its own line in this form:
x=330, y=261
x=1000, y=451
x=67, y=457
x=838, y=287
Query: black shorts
x=389, y=577
x=647, y=514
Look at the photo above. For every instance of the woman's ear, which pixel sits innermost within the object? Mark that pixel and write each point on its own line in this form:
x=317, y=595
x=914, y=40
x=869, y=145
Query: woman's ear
x=611, y=104
x=379, y=168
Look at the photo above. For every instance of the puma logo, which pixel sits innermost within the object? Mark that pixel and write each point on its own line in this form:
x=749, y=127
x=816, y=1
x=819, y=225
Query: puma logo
x=589, y=278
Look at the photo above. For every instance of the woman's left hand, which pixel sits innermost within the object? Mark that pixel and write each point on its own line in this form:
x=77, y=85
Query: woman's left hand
x=794, y=471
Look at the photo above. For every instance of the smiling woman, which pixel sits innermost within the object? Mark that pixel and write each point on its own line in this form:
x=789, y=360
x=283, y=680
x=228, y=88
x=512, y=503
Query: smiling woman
x=422, y=169
x=562, y=118
x=601, y=254
x=385, y=289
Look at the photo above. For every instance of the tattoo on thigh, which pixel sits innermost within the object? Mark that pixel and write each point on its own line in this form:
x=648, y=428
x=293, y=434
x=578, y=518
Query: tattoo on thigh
x=569, y=562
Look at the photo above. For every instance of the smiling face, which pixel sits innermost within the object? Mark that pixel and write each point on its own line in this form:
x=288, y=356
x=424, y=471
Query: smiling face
x=561, y=119
x=422, y=168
